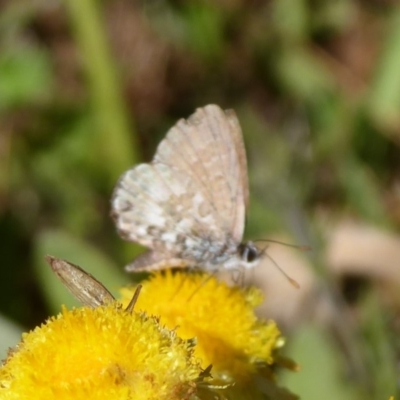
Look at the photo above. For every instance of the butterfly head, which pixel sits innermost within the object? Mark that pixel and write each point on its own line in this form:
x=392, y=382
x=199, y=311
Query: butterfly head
x=248, y=254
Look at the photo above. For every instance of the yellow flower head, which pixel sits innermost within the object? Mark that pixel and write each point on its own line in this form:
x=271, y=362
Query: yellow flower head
x=222, y=319
x=102, y=353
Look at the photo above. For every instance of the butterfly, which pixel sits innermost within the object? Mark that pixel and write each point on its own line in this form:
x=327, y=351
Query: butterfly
x=188, y=205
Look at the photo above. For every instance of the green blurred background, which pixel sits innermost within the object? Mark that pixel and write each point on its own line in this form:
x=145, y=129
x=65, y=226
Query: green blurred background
x=89, y=88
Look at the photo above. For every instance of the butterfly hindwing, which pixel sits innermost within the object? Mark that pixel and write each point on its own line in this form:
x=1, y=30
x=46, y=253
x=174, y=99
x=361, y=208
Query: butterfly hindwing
x=154, y=206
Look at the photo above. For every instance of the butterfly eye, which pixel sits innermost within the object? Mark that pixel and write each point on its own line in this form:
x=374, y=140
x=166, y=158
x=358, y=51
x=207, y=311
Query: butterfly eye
x=248, y=252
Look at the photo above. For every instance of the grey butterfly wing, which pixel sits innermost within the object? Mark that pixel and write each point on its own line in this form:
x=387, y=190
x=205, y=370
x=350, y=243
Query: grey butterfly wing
x=209, y=147
x=86, y=288
x=152, y=205
x=189, y=203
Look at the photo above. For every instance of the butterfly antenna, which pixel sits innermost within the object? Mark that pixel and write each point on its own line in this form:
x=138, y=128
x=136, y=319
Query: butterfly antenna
x=182, y=282
x=295, y=246
x=201, y=285
x=135, y=297
x=292, y=281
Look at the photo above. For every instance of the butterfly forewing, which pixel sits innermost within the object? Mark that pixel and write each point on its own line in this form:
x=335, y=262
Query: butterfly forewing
x=208, y=147
x=189, y=203
x=241, y=165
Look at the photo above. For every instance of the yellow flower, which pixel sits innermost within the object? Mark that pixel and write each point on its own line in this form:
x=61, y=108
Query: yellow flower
x=102, y=353
x=222, y=319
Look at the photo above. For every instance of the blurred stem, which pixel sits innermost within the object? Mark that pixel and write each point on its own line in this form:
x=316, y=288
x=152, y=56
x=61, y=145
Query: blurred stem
x=380, y=347
x=384, y=98
x=117, y=152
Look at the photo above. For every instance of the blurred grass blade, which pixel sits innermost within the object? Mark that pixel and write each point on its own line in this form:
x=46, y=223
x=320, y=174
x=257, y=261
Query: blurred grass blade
x=116, y=140
x=362, y=191
x=384, y=98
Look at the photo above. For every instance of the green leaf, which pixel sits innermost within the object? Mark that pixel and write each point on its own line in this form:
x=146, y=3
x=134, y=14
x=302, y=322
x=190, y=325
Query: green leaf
x=322, y=369
x=302, y=75
x=25, y=76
